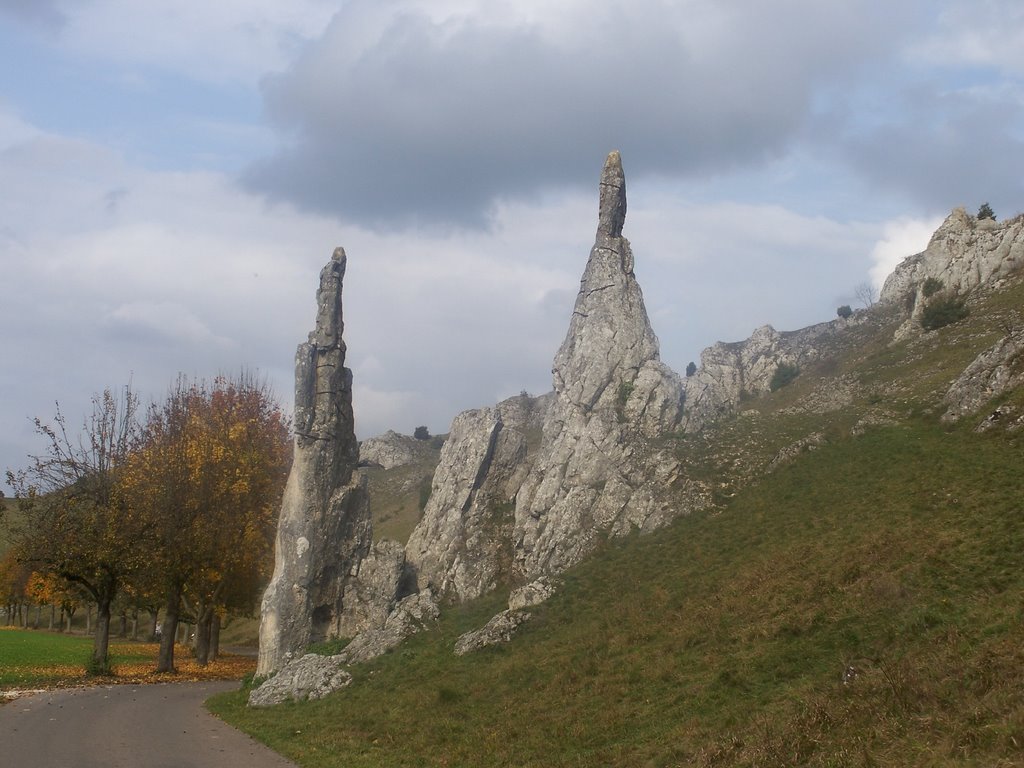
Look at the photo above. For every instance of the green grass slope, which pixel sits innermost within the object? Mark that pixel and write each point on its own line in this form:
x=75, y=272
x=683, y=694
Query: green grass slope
x=860, y=605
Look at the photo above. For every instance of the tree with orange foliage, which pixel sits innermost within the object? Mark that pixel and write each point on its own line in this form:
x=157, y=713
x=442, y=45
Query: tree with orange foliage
x=210, y=475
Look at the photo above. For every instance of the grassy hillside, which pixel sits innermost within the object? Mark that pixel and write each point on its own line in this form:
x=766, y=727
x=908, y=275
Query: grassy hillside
x=861, y=604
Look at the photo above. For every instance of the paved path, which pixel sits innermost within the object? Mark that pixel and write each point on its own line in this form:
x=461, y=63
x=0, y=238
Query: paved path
x=153, y=726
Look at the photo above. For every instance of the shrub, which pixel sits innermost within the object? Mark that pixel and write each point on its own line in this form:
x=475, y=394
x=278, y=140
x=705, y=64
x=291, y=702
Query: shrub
x=942, y=311
x=421, y=433
x=691, y=368
x=784, y=374
x=986, y=212
x=931, y=286
x=844, y=311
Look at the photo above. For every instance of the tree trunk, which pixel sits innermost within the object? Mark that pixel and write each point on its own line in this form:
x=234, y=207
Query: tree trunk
x=53, y=610
x=88, y=619
x=154, y=614
x=204, y=628
x=124, y=624
x=135, y=624
x=165, y=661
x=101, y=640
x=39, y=611
x=215, y=637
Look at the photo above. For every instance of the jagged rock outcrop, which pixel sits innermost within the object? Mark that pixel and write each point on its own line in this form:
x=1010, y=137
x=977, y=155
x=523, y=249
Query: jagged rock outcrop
x=412, y=614
x=534, y=593
x=998, y=369
x=324, y=529
x=392, y=450
x=378, y=582
x=526, y=488
x=308, y=677
x=964, y=253
x=500, y=629
x=729, y=372
x=462, y=546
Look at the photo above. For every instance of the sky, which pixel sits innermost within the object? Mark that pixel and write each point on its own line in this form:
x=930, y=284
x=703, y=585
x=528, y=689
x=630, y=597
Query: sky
x=175, y=173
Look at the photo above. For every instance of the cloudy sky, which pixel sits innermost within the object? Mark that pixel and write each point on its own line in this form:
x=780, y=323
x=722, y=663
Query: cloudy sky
x=176, y=172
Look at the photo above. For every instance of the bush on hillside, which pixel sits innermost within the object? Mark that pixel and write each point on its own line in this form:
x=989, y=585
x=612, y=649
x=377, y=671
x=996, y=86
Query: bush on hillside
x=942, y=311
x=844, y=311
x=421, y=433
x=691, y=368
x=931, y=286
x=784, y=374
x=986, y=212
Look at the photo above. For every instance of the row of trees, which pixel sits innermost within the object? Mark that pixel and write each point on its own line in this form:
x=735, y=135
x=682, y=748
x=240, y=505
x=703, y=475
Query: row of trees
x=174, y=506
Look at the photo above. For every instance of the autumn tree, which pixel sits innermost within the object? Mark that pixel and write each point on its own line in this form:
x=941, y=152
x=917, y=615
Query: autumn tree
x=77, y=524
x=210, y=473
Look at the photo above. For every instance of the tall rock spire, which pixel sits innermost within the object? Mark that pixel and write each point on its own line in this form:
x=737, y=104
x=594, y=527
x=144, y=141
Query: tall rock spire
x=592, y=471
x=324, y=528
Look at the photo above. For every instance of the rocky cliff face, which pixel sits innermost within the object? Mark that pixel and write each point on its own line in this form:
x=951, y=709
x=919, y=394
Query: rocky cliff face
x=729, y=372
x=965, y=253
x=525, y=488
x=392, y=450
x=324, y=528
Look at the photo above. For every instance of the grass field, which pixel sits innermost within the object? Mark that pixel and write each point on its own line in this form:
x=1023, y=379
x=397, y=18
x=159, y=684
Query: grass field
x=39, y=659
x=860, y=607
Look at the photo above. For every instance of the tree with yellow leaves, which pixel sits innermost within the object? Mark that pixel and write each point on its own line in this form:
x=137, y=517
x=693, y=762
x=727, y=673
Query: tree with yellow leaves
x=210, y=474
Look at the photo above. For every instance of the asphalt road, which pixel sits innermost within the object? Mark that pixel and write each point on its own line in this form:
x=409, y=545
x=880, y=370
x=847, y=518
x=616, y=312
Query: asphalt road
x=142, y=726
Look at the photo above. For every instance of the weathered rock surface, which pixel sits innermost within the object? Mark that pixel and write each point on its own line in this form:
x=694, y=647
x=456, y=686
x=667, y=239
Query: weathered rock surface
x=729, y=372
x=499, y=629
x=324, y=528
x=392, y=450
x=307, y=677
x=964, y=253
x=998, y=369
x=812, y=442
x=462, y=546
x=412, y=614
x=526, y=488
x=597, y=470
x=374, y=589
x=534, y=593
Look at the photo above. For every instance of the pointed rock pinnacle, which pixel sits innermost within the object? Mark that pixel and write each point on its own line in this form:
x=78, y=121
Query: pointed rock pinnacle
x=613, y=197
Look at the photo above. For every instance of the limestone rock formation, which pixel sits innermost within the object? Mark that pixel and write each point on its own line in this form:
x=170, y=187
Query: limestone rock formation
x=373, y=591
x=462, y=546
x=729, y=372
x=965, y=253
x=307, y=677
x=526, y=488
x=499, y=629
x=998, y=369
x=412, y=614
x=534, y=593
x=324, y=528
x=392, y=450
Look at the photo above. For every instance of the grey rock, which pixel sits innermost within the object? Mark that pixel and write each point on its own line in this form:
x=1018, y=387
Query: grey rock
x=373, y=592
x=392, y=450
x=324, y=527
x=528, y=487
x=500, y=629
x=964, y=254
x=534, y=593
x=729, y=372
x=461, y=547
x=995, y=371
x=812, y=442
x=309, y=677
x=412, y=614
